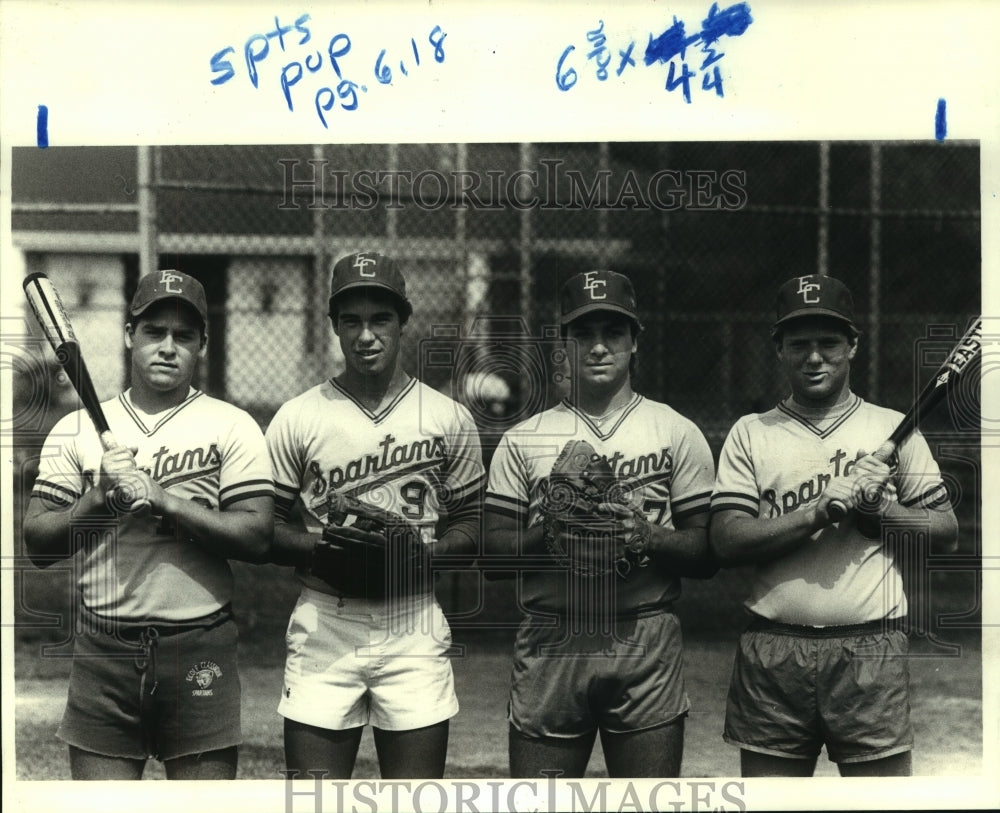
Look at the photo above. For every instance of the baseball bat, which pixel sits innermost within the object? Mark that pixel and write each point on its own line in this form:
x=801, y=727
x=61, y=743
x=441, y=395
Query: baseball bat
x=55, y=324
x=933, y=392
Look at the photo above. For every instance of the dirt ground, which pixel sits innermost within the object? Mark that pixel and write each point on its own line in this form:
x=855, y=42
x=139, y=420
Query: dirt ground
x=946, y=695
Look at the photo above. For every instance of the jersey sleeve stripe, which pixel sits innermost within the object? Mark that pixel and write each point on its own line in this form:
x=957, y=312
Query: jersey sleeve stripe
x=465, y=490
x=53, y=492
x=258, y=485
x=281, y=491
x=701, y=508
x=934, y=497
x=734, y=506
x=246, y=495
x=733, y=500
x=688, y=503
x=506, y=500
x=506, y=506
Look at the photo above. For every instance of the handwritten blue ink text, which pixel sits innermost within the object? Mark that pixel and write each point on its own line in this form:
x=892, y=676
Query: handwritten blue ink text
x=335, y=64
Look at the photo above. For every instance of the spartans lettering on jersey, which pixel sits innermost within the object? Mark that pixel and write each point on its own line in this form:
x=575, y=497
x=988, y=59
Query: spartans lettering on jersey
x=169, y=469
x=660, y=463
x=190, y=461
x=390, y=457
x=809, y=490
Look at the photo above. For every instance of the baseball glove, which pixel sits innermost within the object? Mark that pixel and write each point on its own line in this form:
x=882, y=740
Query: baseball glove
x=370, y=553
x=588, y=539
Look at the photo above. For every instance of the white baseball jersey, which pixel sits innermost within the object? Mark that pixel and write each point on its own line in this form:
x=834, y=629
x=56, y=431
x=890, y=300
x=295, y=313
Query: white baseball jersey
x=661, y=460
x=782, y=460
x=203, y=450
x=419, y=457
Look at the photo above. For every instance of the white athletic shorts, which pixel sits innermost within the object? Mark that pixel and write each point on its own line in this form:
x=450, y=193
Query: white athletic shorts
x=351, y=662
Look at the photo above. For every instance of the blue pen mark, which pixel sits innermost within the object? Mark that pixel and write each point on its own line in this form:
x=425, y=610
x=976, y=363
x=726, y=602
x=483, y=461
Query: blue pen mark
x=669, y=44
x=626, y=57
x=42, y=126
x=730, y=22
x=941, y=121
x=671, y=48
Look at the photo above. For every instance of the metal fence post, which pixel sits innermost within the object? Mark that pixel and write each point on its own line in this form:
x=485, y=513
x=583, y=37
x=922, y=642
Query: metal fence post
x=148, y=242
x=875, y=272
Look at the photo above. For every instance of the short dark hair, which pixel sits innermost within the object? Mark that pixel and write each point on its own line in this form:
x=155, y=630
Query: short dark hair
x=376, y=293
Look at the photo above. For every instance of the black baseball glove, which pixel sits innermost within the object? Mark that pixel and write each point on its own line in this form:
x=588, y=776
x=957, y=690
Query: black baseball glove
x=370, y=553
x=580, y=531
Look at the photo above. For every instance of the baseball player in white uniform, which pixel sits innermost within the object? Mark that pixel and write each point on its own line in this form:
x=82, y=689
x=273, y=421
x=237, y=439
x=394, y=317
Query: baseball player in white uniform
x=601, y=653
x=823, y=660
x=375, y=434
x=154, y=671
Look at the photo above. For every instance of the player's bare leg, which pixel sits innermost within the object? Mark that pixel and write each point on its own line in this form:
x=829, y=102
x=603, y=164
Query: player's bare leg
x=310, y=748
x=755, y=764
x=536, y=756
x=650, y=752
x=417, y=752
x=218, y=764
x=88, y=765
x=896, y=765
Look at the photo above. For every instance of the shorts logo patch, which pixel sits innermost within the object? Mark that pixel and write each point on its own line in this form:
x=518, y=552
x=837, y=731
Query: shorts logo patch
x=203, y=675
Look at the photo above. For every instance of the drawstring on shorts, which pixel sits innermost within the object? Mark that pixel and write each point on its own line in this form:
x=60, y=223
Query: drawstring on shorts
x=145, y=662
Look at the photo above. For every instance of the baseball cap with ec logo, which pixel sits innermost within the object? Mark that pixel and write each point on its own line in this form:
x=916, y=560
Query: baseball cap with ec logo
x=169, y=284
x=369, y=269
x=600, y=290
x=814, y=295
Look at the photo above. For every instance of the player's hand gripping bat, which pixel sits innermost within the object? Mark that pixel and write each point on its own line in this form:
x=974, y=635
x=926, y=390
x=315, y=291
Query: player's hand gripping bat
x=54, y=321
x=944, y=380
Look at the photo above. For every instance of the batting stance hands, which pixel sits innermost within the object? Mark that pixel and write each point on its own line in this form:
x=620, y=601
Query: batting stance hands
x=868, y=490
x=126, y=487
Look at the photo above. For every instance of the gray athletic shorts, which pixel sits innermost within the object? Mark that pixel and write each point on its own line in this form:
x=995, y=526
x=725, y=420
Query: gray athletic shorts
x=567, y=684
x=795, y=689
x=154, y=690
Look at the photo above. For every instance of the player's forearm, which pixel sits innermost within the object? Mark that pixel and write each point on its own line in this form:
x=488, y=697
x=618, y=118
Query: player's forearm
x=737, y=540
x=48, y=530
x=940, y=522
x=292, y=546
x=505, y=537
x=243, y=532
x=462, y=533
x=682, y=552
x=458, y=540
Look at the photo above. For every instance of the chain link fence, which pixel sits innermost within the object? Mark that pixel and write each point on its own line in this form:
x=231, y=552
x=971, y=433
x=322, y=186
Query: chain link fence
x=485, y=235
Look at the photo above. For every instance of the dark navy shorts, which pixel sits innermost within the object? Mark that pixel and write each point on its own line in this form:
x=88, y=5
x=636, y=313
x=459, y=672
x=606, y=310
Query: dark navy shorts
x=795, y=689
x=569, y=684
x=159, y=690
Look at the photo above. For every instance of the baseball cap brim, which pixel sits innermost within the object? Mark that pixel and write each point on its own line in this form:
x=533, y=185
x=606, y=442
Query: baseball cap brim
x=591, y=307
x=832, y=314
x=147, y=305
x=381, y=286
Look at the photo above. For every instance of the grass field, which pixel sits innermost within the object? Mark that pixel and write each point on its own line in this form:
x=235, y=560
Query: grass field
x=946, y=698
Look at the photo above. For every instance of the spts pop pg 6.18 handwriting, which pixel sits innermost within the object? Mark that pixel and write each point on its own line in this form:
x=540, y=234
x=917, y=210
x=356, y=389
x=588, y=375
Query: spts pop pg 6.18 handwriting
x=323, y=72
